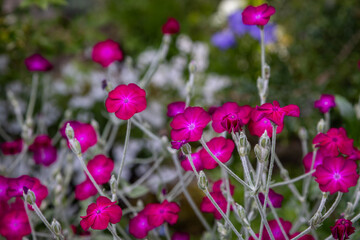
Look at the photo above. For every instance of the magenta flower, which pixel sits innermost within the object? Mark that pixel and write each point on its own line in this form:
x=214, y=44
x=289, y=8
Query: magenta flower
x=333, y=142
x=37, y=63
x=190, y=124
x=230, y=117
x=106, y=52
x=12, y=148
x=43, y=151
x=139, y=225
x=79, y=231
x=175, y=108
x=212, y=110
x=3, y=188
x=275, y=198
x=355, y=154
x=126, y=100
x=221, y=147
x=259, y=15
x=158, y=213
x=172, y=26
x=277, y=233
x=325, y=102
x=308, y=160
x=207, y=206
x=197, y=162
x=336, y=174
x=14, y=223
x=100, y=168
x=178, y=144
x=85, y=190
x=274, y=112
x=259, y=127
x=180, y=236
x=217, y=186
x=100, y=214
x=83, y=132
x=342, y=229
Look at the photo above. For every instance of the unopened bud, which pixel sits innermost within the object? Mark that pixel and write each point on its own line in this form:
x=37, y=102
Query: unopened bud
x=69, y=131
x=264, y=140
x=320, y=126
x=223, y=230
x=55, y=225
x=113, y=184
x=202, y=182
x=242, y=214
x=95, y=124
x=75, y=146
x=303, y=134
x=261, y=153
x=29, y=196
x=244, y=145
x=267, y=71
x=192, y=67
x=260, y=84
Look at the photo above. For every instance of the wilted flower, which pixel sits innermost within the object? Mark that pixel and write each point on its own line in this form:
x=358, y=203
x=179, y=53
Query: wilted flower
x=12, y=148
x=100, y=214
x=342, y=229
x=126, y=100
x=106, y=52
x=259, y=15
x=37, y=63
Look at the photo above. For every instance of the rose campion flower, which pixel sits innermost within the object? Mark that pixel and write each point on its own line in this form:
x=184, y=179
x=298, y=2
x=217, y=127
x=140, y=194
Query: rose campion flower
x=158, y=213
x=100, y=168
x=85, y=190
x=43, y=151
x=221, y=147
x=14, y=222
x=325, y=103
x=175, y=108
x=3, y=188
x=180, y=236
x=259, y=15
x=333, y=142
x=12, y=148
x=355, y=154
x=126, y=100
x=277, y=233
x=79, y=231
x=223, y=40
x=230, y=117
x=342, y=229
x=274, y=112
x=217, y=186
x=190, y=124
x=37, y=63
x=258, y=128
x=196, y=160
x=336, y=174
x=139, y=225
x=106, y=52
x=178, y=144
x=100, y=214
x=309, y=157
x=83, y=132
x=171, y=26
x=207, y=206
x=275, y=198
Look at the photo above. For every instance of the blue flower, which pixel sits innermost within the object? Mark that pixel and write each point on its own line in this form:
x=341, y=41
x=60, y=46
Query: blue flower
x=224, y=39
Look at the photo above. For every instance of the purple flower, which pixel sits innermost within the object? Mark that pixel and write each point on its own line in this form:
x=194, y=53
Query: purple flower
x=106, y=52
x=336, y=174
x=269, y=32
x=171, y=26
x=275, y=198
x=43, y=151
x=37, y=63
x=180, y=236
x=325, y=103
x=224, y=39
x=175, y=108
x=342, y=229
x=236, y=24
x=100, y=168
x=139, y=225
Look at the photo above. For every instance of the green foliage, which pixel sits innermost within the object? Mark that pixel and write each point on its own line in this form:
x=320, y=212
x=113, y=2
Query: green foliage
x=41, y=3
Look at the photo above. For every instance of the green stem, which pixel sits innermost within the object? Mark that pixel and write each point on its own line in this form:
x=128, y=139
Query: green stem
x=292, y=180
x=127, y=137
x=113, y=232
x=30, y=221
x=34, y=86
x=43, y=219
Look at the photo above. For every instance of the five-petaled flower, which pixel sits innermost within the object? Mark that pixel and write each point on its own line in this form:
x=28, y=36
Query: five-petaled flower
x=37, y=63
x=221, y=147
x=100, y=214
x=190, y=124
x=336, y=174
x=106, y=52
x=259, y=15
x=126, y=100
x=325, y=103
x=342, y=229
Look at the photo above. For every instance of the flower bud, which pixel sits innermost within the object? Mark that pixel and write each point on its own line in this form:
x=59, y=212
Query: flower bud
x=69, y=131
x=29, y=196
x=264, y=140
x=262, y=154
x=95, y=124
x=244, y=145
x=321, y=126
x=113, y=184
x=55, y=225
x=223, y=230
x=192, y=67
x=242, y=214
x=303, y=134
x=202, y=182
x=75, y=146
x=260, y=84
x=267, y=71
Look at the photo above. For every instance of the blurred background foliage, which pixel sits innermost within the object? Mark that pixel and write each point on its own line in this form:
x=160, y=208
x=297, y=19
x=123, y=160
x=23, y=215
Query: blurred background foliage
x=317, y=51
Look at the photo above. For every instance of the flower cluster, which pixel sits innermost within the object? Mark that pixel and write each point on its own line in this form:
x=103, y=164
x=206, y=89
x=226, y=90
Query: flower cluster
x=100, y=167
x=152, y=216
x=221, y=200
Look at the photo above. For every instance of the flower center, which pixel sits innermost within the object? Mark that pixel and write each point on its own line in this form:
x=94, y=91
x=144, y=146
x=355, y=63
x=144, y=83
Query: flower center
x=258, y=16
x=191, y=126
x=126, y=100
x=337, y=176
x=98, y=211
x=334, y=139
x=275, y=109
